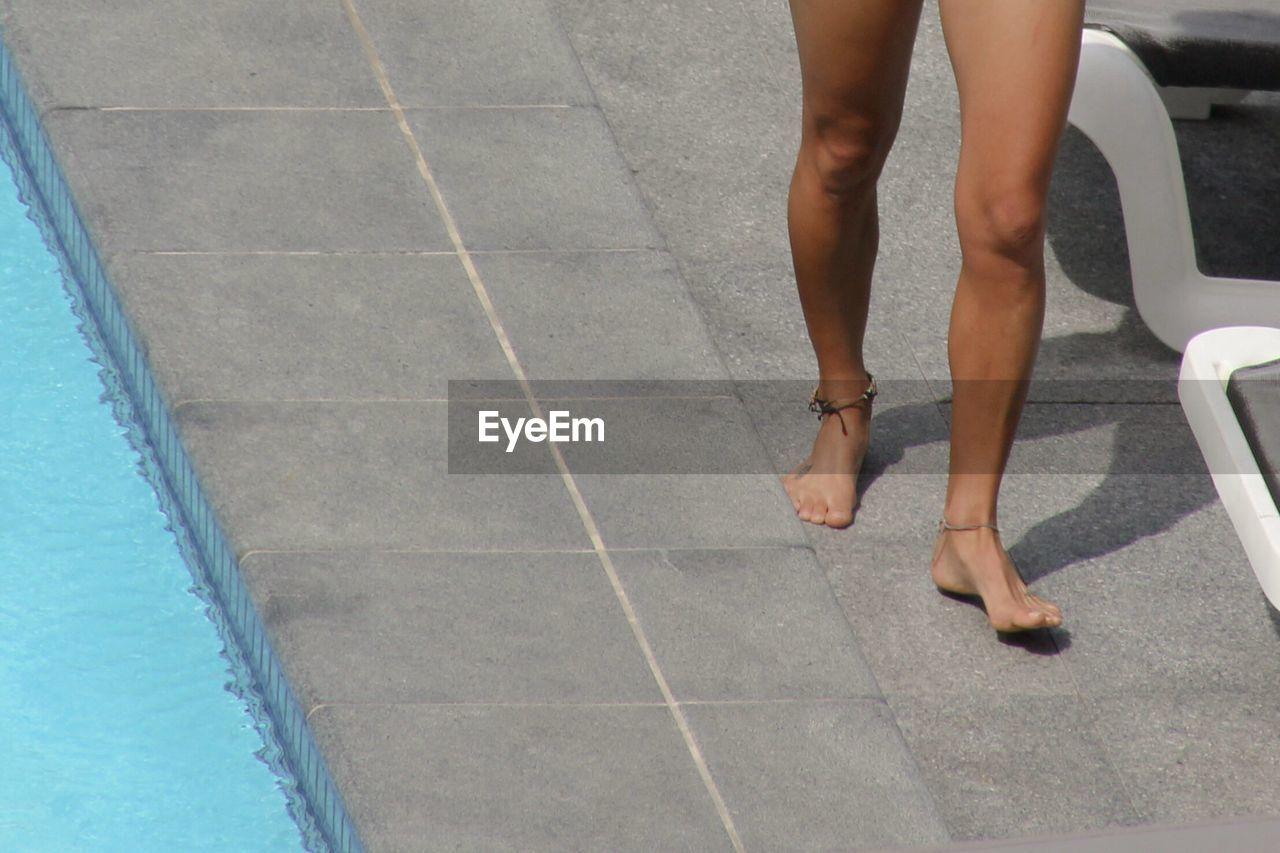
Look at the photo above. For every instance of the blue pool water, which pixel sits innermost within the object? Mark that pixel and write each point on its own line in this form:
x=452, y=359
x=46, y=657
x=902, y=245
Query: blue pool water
x=118, y=730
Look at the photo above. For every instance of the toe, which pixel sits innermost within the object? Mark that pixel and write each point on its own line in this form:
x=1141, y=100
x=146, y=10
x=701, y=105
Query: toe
x=1023, y=619
x=839, y=519
x=807, y=510
x=1053, y=616
x=1027, y=620
x=1048, y=607
x=1035, y=617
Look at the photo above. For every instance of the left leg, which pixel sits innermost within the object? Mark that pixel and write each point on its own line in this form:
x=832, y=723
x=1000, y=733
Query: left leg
x=1015, y=64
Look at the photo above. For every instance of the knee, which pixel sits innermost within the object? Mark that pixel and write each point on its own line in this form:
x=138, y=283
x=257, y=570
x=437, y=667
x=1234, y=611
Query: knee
x=1007, y=222
x=847, y=153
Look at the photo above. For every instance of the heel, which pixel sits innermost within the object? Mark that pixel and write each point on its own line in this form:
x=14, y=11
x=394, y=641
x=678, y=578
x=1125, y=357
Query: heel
x=955, y=590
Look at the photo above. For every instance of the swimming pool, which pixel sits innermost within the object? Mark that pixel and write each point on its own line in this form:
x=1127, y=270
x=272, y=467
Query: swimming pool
x=124, y=725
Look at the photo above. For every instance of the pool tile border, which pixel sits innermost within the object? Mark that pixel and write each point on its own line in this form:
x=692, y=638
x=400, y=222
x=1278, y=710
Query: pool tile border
x=141, y=407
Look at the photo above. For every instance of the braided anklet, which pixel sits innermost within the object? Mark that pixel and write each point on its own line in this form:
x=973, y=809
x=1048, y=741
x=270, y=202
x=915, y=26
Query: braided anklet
x=943, y=524
x=834, y=407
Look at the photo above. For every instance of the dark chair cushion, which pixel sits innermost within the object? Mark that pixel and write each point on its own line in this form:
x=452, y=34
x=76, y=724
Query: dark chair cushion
x=1229, y=44
x=1254, y=394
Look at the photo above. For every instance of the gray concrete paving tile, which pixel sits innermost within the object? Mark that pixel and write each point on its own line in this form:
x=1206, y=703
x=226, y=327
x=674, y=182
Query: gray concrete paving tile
x=599, y=315
x=533, y=178
x=238, y=181
x=1176, y=612
x=753, y=311
x=462, y=52
x=691, y=511
x=518, y=778
x=919, y=642
x=1055, y=522
x=341, y=476
x=262, y=327
x=894, y=506
x=671, y=87
x=1249, y=835
x=1118, y=439
x=218, y=53
x=752, y=623
x=373, y=626
x=1008, y=766
x=815, y=775
x=1195, y=756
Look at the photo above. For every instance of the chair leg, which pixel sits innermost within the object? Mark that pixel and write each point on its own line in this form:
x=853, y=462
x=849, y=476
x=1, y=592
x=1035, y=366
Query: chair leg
x=1118, y=107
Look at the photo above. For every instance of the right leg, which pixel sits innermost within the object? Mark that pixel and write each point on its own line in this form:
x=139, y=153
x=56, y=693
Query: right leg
x=854, y=58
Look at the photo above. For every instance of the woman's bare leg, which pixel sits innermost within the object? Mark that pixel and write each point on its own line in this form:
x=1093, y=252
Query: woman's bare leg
x=854, y=58
x=1015, y=64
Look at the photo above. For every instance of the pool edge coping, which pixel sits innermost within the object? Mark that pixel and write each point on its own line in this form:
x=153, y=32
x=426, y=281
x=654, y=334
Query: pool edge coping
x=45, y=190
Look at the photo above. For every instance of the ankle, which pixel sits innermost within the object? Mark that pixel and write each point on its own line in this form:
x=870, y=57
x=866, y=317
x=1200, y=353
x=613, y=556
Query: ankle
x=959, y=509
x=946, y=523
x=843, y=386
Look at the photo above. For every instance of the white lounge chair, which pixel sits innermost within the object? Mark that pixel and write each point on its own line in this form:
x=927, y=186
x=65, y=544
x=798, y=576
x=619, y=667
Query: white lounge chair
x=1125, y=110
x=1207, y=365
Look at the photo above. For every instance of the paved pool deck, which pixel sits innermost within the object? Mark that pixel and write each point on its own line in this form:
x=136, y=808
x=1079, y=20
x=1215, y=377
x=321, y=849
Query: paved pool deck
x=318, y=212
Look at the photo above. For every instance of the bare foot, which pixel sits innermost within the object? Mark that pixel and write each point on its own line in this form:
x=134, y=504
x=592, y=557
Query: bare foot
x=824, y=488
x=975, y=563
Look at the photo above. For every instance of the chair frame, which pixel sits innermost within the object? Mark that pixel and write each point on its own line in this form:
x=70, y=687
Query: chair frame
x=1207, y=364
x=1122, y=110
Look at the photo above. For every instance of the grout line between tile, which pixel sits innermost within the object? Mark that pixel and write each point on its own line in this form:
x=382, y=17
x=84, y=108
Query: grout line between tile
x=300, y=401
x=118, y=108
x=443, y=705
x=254, y=552
x=495, y=107
x=125, y=108
x=362, y=401
x=601, y=251
x=287, y=252
x=819, y=700
x=409, y=252
x=588, y=520
x=1063, y=658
